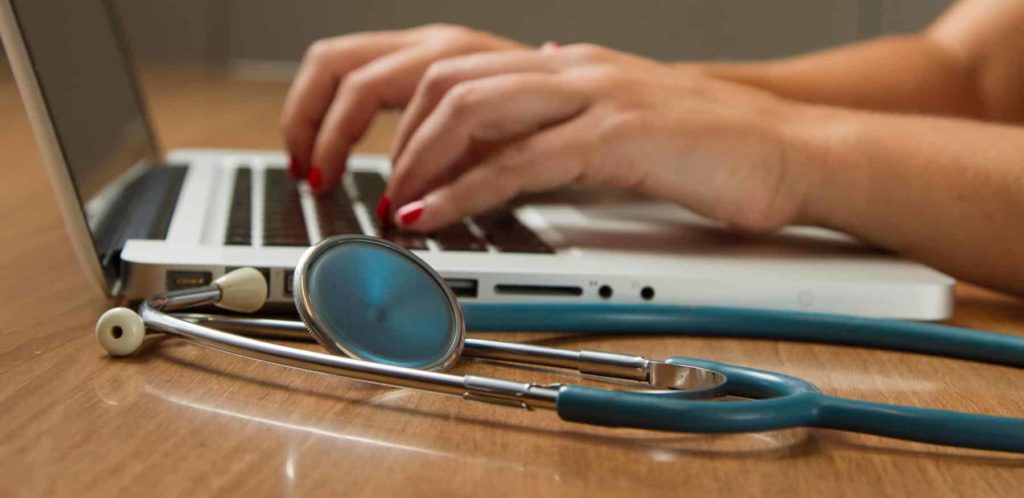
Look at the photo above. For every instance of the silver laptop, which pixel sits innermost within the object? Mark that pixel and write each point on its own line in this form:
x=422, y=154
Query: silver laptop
x=143, y=221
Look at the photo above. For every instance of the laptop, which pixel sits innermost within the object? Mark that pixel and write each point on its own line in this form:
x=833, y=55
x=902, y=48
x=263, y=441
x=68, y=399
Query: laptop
x=144, y=221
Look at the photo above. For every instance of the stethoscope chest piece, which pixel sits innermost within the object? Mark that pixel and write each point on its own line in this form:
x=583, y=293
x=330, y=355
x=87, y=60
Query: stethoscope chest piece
x=371, y=300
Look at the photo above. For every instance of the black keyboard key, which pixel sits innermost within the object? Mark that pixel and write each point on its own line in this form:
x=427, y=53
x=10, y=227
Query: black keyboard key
x=238, y=240
x=408, y=240
x=370, y=187
x=239, y=231
x=504, y=231
x=458, y=238
x=335, y=214
x=283, y=221
x=287, y=240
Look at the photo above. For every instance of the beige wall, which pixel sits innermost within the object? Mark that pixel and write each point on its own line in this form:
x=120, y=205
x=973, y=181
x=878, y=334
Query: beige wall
x=231, y=30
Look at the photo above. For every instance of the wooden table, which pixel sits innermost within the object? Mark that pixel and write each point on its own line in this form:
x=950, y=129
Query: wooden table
x=182, y=420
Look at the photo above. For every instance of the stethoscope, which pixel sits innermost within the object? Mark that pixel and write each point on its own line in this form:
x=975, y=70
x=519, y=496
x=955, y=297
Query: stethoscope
x=386, y=317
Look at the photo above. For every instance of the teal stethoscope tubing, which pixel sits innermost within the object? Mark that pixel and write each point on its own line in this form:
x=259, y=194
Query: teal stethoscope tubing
x=876, y=333
x=778, y=401
x=790, y=402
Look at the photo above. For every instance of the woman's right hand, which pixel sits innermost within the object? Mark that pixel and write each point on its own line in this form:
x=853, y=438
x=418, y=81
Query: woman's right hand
x=344, y=81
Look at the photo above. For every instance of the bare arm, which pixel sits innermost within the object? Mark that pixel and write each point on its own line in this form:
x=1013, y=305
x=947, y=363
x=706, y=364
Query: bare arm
x=969, y=63
x=947, y=192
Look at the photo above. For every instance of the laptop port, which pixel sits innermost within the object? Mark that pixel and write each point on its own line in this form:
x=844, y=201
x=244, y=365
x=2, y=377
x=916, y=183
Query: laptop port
x=462, y=287
x=177, y=279
x=539, y=290
x=289, y=283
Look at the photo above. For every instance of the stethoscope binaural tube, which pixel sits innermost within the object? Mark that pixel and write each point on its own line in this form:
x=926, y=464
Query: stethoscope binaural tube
x=123, y=326
x=676, y=380
x=119, y=327
x=355, y=264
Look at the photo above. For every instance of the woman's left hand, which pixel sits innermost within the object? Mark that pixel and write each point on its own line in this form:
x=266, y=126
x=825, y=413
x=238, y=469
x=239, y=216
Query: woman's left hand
x=590, y=115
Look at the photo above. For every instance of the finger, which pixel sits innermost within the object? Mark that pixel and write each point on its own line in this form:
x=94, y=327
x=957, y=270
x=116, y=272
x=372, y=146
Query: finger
x=384, y=83
x=552, y=158
x=443, y=75
x=323, y=67
x=487, y=110
x=550, y=46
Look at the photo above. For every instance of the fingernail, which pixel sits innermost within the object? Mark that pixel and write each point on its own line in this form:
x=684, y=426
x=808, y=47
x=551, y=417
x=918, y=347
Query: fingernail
x=409, y=213
x=294, y=169
x=384, y=209
x=315, y=177
x=550, y=45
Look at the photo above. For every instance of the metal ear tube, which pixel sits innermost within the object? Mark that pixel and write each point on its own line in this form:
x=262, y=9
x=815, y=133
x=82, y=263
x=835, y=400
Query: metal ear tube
x=474, y=388
x=651, y=375
x=153, y=317
x=121, y=331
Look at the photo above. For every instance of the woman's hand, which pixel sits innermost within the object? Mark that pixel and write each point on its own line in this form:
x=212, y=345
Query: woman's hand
x=586, y=114
x=343, y=81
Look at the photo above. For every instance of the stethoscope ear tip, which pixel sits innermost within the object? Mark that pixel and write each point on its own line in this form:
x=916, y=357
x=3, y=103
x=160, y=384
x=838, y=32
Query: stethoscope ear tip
x=243, y=290
x=120, y=331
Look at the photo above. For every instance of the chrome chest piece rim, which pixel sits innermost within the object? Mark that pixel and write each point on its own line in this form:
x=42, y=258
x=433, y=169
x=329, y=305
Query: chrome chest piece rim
x=340, y=343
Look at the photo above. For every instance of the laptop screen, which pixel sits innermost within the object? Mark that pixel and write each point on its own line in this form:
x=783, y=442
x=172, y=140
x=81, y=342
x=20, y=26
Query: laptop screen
x=88, y=87
x=85, y=76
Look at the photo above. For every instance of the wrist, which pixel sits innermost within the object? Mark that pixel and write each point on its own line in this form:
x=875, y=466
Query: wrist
x=815, y=139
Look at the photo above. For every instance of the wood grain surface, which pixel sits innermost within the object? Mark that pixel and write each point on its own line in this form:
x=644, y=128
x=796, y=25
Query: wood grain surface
x=185, y=421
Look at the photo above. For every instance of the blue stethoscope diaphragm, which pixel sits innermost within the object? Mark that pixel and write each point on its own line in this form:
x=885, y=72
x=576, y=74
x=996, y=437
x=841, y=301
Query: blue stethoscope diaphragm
x=370, y=299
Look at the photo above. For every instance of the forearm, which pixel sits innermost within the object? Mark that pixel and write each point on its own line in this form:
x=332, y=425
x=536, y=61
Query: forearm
x=896, y=74
x=947, y=192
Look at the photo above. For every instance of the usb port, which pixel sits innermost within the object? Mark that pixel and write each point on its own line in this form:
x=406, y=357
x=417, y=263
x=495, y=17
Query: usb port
x=186, y=279
x=462, y=287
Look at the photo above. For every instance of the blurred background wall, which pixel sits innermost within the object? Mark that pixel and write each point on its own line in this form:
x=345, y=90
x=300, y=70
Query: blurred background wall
x=253, y=32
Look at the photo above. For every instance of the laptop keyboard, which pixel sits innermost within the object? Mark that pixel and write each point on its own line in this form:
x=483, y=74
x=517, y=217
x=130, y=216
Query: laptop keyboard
x=240, y=218
x=459, y=238
x=370, y=187
x=335, y=214
x=503, y=230
x=284, y=221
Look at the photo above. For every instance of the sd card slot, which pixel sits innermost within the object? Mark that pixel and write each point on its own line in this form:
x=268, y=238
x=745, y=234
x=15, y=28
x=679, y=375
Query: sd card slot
x=538, y=290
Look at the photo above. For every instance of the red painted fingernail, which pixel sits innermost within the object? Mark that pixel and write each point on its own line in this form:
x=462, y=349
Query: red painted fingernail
x=409, y=213
x=384, y=209
x=315, y=177
x=294, y=169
